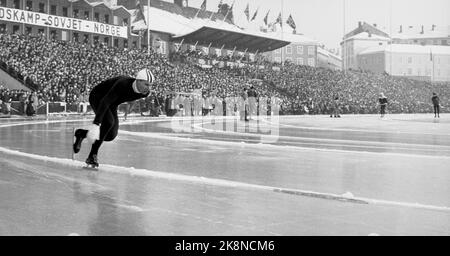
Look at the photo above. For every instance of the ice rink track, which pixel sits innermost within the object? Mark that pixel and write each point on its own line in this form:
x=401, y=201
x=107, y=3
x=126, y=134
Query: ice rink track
x=306, y=175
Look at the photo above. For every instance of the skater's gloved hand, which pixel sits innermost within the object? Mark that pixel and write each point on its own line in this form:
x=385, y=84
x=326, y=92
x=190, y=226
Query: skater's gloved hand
x=93, y=133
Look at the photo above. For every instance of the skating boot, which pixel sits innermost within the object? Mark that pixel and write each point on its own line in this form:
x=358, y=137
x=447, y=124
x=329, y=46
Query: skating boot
x=80, y=135
x=92, y=162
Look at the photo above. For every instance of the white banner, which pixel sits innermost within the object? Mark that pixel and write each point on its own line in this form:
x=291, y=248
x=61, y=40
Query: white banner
x=45, y=20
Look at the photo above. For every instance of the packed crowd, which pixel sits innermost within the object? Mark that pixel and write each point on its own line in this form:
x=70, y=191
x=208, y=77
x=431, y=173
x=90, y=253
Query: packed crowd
x=313, y=90
x=66, y=71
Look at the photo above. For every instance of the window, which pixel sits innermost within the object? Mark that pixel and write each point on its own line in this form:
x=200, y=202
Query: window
x=28, y=30
x=86, y=15
x=278, y=59
x=125, y=43
x=86, y=39
x=64, y=36
x=41, y=31
x=75, y=37
x=3, y=3
x=53, y=10
x=106, y=40
x=29, y=6
x=311, y=62
x=16, y=29
x=96, y=39
x=444, y=42
x=75, y=13
x=116, y=42
x=278, y=51
x=53, y=34
x=300, y=61
x=2, y=28
x=311, y=50
x=163, y=47
x=16, y=4
x=125, y=22
x=409, y=60
x=41, y=7
x=300, y=50
x=288, y=49
x=65, y=12
x=106, y=18
x=288, y=59
x=96, y=16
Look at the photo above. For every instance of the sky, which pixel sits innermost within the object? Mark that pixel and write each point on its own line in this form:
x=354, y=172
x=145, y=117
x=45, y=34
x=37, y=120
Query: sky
x=323, y=20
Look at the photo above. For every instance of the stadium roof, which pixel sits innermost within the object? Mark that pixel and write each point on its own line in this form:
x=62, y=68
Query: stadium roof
x=206, y=31
x=242, y=40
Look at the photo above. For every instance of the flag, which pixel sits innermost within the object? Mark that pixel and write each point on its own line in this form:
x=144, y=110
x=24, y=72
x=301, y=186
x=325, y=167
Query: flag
x=203, y=6
x=254, y=15
x=267, y=17
x=139, y=22
x=139, y=13
x=219, y=7
x=279, y=20
x=290, y=22
x=247, y=12
x=229, y=10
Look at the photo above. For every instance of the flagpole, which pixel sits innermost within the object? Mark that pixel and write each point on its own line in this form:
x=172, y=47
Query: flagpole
x=148, y=28
x=282, y=32
x=344, y=52
x=198, y=11
x=432, y=59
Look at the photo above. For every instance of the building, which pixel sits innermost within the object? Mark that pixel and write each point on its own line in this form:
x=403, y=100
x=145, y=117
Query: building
x=301, y=51
x=76, y=20
x=423, y=62
x=361, y=38
x=172, y=25
x=413, y=51
x=327, y=59
x=434, y=35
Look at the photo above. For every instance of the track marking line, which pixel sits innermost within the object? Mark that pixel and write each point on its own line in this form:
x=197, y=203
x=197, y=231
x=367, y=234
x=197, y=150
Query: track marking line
x=224, y=183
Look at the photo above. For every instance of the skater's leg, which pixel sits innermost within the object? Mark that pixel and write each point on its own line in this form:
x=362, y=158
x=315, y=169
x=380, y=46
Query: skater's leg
x=110, y=123
x=80, y=135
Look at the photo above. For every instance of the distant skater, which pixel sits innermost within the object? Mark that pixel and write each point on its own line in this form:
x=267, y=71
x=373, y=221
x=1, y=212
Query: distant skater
x=104, y=99
x=435, y=100
x=335, y=110
x=383, y=103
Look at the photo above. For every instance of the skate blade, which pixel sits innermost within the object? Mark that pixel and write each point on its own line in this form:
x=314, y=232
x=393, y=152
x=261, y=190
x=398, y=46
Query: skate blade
x=90, y=167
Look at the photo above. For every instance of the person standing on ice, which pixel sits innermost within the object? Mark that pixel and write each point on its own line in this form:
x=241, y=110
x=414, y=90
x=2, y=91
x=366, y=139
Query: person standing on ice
x=383, y=103
x=104, y=99
x=435, y=100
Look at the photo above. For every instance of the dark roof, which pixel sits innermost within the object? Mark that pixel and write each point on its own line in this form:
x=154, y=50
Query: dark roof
x=230, y=39
x=365, y=27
